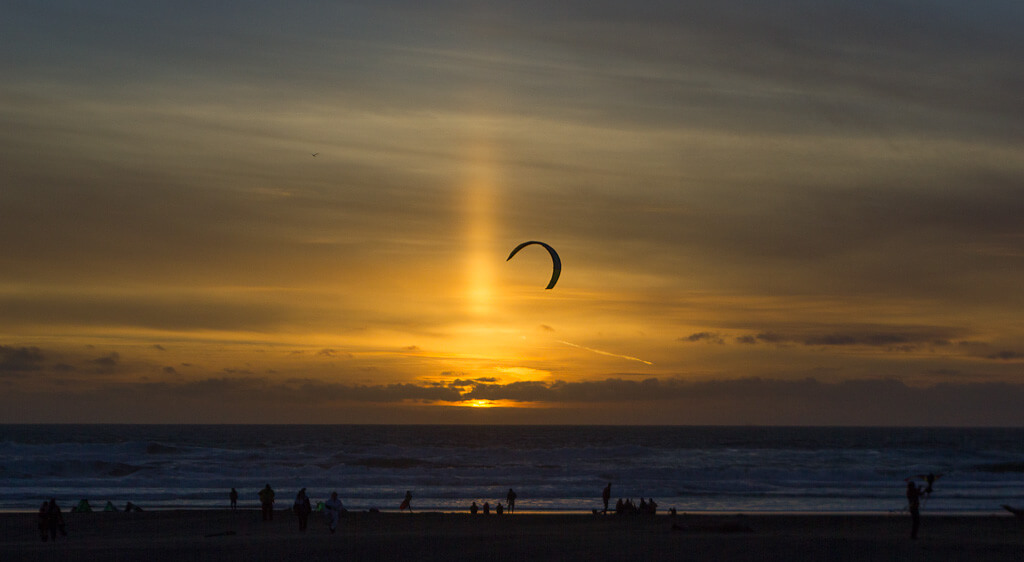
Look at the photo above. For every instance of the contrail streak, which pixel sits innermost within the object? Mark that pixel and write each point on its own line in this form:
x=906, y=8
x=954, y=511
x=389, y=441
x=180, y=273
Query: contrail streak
x=598, y=351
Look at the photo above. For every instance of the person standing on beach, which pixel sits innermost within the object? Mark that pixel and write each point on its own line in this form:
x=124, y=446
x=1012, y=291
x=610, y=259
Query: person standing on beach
x=51, y=520
x=407, y=502
x=267, y=503
x=233, y=496
x=333, y=507
x=606, y=495
x=302, y=509
x=914, y=505
x=511, y=500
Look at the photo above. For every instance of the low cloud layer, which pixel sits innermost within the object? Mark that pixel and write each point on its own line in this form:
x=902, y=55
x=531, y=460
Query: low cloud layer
x=672, y=401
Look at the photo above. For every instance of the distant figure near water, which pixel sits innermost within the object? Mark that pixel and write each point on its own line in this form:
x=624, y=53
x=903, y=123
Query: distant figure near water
x=267, y=503
x=914, y=505
x=606, y=495
x=302, y=509
x=334, y=509
x=473, y=508
x=407, y=502
x=511, y=500
x=233, y=496
x=51, y=521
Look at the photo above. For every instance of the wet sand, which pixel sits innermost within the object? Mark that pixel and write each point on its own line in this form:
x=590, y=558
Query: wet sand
x=224, y=535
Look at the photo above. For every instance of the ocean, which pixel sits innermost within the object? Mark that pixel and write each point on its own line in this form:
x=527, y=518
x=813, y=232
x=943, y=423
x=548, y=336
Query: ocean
x=551, y=468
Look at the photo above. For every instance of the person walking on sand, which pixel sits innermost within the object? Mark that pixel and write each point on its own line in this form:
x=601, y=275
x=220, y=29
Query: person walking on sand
x=302, y=509
x=267, y=502
x=606, y=495
x=233, y=496
x=914, y=505
x=333, y=507
x=511, y=500
x=407, y=502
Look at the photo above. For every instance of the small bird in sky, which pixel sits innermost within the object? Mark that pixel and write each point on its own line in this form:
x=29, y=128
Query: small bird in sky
x=315, y=154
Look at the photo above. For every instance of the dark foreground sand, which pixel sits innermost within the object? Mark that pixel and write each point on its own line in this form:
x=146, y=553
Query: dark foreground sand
x=241, y=535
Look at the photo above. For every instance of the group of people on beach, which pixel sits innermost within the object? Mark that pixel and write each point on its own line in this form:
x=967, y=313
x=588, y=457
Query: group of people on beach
x=51, y=521
x=332, y=508
x=510, y=500
x=627, y=507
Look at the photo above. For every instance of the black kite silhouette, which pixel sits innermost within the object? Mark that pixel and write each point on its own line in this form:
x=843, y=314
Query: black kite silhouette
x=555, y=260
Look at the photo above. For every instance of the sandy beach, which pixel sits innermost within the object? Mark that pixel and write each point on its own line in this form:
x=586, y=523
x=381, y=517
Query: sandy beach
x=242, y=535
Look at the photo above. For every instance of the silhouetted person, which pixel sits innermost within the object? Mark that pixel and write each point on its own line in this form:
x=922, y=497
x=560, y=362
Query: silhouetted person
x=511, y=500
x=334, y=509
x=473, y=509
x=53, y=519
x=652, y=507
x=407, y=502
x=930, y=479
x=233, y=496
x=487, y=508
x=302, y=509
x=267, y=503
x=498, y=509
x=606, y=495
x=914, y=505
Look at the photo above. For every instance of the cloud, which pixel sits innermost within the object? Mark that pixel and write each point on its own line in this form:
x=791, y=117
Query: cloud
x=314, y=391
x=733, y=401
x=709, y=337
x=107, y=363
x=1005, y=355
x=894, y=338
x=20, y=359
x=333, y=353
x=170, y=371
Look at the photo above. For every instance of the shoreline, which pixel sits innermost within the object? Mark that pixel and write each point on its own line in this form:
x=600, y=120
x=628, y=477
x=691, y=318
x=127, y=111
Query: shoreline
x=242, y=535
x=724, y=513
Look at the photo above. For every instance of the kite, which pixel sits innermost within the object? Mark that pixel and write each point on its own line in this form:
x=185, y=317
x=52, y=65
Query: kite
x=555, y=260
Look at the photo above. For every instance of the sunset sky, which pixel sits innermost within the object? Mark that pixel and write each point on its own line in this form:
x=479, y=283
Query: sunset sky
x=794, y=212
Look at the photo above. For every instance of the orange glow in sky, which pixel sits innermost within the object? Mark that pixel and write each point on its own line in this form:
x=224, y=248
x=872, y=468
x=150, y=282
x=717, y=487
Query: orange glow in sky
x=750, y=233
